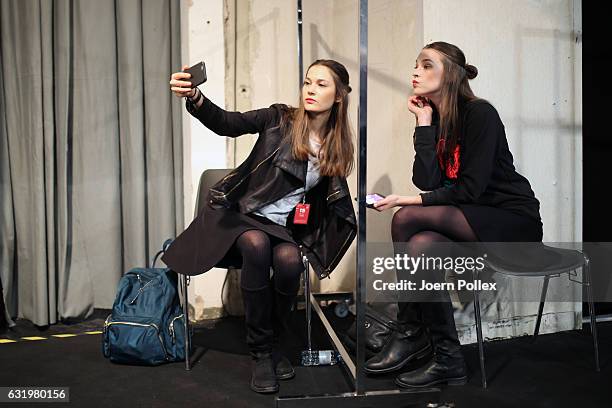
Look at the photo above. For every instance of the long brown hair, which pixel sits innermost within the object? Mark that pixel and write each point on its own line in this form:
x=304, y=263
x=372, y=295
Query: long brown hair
x=453, y=89
x=337, y=151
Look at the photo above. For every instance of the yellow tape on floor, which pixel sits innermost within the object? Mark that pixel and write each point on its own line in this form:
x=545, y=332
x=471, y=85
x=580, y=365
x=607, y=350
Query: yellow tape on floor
x=59, y=336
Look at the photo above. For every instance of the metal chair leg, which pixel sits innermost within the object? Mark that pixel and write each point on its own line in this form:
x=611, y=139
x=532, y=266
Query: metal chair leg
x=307, y=299
x=479, y=331
x=541, y=308
x=185, y=286
x=589, y=288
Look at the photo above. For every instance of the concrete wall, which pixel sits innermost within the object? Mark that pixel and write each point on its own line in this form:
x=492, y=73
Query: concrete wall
x=527, y=59
x=203, y=40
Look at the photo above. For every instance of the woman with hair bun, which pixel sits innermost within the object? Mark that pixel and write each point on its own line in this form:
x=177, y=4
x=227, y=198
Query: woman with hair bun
x=473, y=193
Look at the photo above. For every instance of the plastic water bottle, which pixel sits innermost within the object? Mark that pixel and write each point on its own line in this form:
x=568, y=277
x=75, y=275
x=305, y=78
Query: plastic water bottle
x=320, y=357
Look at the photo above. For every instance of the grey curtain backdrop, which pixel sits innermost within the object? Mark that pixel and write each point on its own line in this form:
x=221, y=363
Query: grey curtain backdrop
x=90, y=149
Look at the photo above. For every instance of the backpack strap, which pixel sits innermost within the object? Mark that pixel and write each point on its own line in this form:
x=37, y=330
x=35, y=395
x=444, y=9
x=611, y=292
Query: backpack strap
x=165, y=246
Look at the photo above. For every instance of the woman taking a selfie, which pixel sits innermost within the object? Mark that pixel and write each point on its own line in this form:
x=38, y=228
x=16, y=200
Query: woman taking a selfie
x=473, y=193
x=300, y=161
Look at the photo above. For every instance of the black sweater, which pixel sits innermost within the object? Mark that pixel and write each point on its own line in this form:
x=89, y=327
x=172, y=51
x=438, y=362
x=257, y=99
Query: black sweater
x=486, y=172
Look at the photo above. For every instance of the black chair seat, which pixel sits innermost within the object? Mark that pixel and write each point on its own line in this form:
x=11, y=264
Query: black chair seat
x=541, y=260
x=535, y=260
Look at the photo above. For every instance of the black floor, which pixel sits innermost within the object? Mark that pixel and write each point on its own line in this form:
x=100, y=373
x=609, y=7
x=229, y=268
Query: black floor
x=556, y=371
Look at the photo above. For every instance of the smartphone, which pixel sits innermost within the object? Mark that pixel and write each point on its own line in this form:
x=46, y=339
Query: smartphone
x=372, y=198
x=198, y=74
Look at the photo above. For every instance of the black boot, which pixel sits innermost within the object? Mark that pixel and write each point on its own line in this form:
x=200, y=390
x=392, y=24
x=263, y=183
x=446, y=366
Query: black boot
x=409, y=341
x=448, y=365
x=282, y=366
x=258, y=319
x=442, y=369
x=283, y=305
x=402, y=346
x=263, y=377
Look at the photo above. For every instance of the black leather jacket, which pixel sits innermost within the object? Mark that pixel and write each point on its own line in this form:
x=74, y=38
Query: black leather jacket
x=270, y=172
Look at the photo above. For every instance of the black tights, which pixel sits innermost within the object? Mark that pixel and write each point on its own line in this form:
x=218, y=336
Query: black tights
x=260, y=252
x=415, y=229
x=437, y=223
x=267, y=302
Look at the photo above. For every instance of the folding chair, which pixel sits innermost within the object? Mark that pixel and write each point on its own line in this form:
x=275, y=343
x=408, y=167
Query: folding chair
x=207, y=180
x=569, y=262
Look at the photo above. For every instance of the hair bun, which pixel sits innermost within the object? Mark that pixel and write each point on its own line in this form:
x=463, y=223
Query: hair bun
x=349, y=88
x=471, y=71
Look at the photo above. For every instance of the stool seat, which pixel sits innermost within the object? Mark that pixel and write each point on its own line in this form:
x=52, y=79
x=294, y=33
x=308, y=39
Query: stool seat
x=538, y=260
x=531, y=259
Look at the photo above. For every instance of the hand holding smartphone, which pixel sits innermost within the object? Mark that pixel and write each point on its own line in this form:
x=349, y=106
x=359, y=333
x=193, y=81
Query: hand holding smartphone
x=373, y=198
x=198, y=74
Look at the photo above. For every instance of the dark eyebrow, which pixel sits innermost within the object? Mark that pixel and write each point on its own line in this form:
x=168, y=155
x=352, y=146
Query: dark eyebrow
x=319, y=80
x=425, y=60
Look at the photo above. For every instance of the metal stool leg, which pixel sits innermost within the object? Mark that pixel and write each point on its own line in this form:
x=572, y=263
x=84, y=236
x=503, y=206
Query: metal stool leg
x=479, y=332
x=541, y=308
x=589, y=288
x=312, y=357
x=185, y=286
x=307, y=299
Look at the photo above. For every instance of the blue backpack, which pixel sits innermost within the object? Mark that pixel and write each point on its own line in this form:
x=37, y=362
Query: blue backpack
x=146, y=326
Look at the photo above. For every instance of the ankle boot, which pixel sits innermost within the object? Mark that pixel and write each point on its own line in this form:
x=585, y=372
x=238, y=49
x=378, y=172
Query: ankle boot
x=402, y=346
x=283, y=305
x=258, y=320
x=448, y=365
x=263, y=377
x=282, y=366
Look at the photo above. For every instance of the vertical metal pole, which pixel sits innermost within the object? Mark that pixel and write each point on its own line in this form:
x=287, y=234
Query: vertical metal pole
x=304, y=258
x=361, y=193
x=299, y=45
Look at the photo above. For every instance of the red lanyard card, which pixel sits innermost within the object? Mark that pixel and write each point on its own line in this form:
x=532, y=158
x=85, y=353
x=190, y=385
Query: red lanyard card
x=301, y=213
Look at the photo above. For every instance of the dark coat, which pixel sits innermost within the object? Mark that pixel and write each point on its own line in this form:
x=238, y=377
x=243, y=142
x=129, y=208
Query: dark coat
x=270, y=172
x=497, y=201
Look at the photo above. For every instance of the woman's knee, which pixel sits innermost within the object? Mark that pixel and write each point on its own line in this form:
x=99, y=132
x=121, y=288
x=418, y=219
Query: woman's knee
x=288, y=268
x=424, y=242
x=254, y=244
x=427, y=237
x=406, y=222
x=410, y=214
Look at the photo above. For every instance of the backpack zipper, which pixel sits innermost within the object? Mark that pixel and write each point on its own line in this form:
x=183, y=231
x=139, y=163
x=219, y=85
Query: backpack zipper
x=171, y=328
x=161, y=341
x=141, y=289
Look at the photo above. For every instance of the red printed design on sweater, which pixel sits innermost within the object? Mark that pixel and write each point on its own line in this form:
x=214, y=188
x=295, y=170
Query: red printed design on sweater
x=451, y=167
